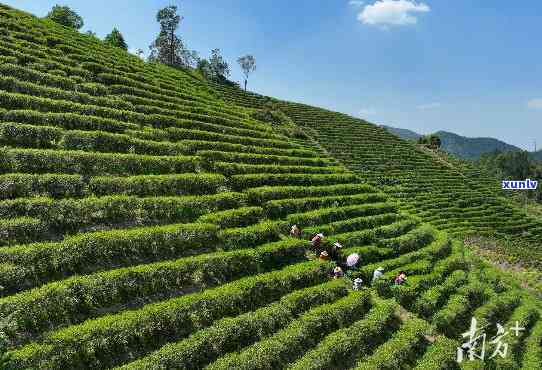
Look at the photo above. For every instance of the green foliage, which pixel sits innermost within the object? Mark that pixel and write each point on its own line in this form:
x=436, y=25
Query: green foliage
x=123, y=245
x=168, y=48
x=432, y=141
x=428, y=303
x=441, y=355
x=404, y=346
x=288, y=344
x=340, y=349
x=216, y=68
x=240, y=217
x=67, y=302
x=169, y=320
x=452, y=319
x=281, y=208
x=232, y=334
x=533, y=351
x=65, y=16
x=514, y=165
x=40, y=161
x=183, y=184
x=116, y=39
x=28, y=185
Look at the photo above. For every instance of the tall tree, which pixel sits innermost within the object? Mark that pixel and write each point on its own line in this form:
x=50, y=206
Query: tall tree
x=168, y=48
x=219, y=67
x=205, y=68
x=115, y=38
x=216, y=68
x=248, y=65
x=65, y=16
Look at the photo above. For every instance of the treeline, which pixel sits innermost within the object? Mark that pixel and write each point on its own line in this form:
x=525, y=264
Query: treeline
x=517, y=165
x=168, y=47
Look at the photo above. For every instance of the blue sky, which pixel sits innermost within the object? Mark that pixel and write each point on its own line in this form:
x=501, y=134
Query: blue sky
x=470, y=67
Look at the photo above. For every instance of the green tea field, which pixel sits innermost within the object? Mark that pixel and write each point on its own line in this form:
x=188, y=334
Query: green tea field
x=145, y=217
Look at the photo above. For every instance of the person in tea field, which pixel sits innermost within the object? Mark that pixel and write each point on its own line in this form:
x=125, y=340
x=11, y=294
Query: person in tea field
x=377, y=274
x=338, y=273
x=295, y=231
x=353, y=262
x=334, y=251
x=357, y=284
x=316, y=241
x=401, y=279
x=324, y=256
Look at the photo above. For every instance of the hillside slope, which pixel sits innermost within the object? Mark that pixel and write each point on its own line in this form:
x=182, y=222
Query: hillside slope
x=453, y=198
x=472, y=148
x=403, y=133
x=464, y=147
x=145, y=225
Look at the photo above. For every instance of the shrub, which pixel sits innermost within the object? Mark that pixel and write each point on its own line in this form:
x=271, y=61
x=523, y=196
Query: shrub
x=532, y=356
x=233, y=334
x=328, y=215
x=249, y=158
x=452, y=318
x=80, y=297
x=69, y=215
x=21, y=230
x=340, y=349
x=281, y=208
x=526, y=315
x=132, y=334
x=441, y=355
x=404, y=346
x=266, y=193
x=240, y=217
x=78, y=162
x=107, y=249
x=183, y=184
x=250, y=236
x=427, y=304
x=290, y=343
x=68, y=121
x=28, y=185
x=231, y=169
x=241, y=182
x=14, y=134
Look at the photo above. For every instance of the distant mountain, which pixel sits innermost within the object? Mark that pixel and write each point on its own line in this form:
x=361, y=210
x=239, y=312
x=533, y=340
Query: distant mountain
x=403, y=132
x=461, y=146
x=537, y=155
x=471, y=148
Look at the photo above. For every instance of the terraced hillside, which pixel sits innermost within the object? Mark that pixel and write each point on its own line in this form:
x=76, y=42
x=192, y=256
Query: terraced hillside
x=145, y=225
x=445, y=193
x=439, y=192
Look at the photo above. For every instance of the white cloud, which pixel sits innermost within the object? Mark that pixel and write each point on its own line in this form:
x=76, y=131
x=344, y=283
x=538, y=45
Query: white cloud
x=356, y=3
x=429, y=106
x=392, y=12
x=366, y=112
x=535, y=103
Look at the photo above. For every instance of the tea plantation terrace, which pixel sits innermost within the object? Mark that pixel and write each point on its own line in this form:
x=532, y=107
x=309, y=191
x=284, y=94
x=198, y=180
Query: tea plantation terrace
x=145, y=225
x=444, y=192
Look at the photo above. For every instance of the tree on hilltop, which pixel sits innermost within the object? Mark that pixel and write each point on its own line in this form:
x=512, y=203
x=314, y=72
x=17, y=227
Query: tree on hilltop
x=432, y=141
x=65, y=16
x=216, y=68
x=168, y=48
x=248, y=65
x=115, y=38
